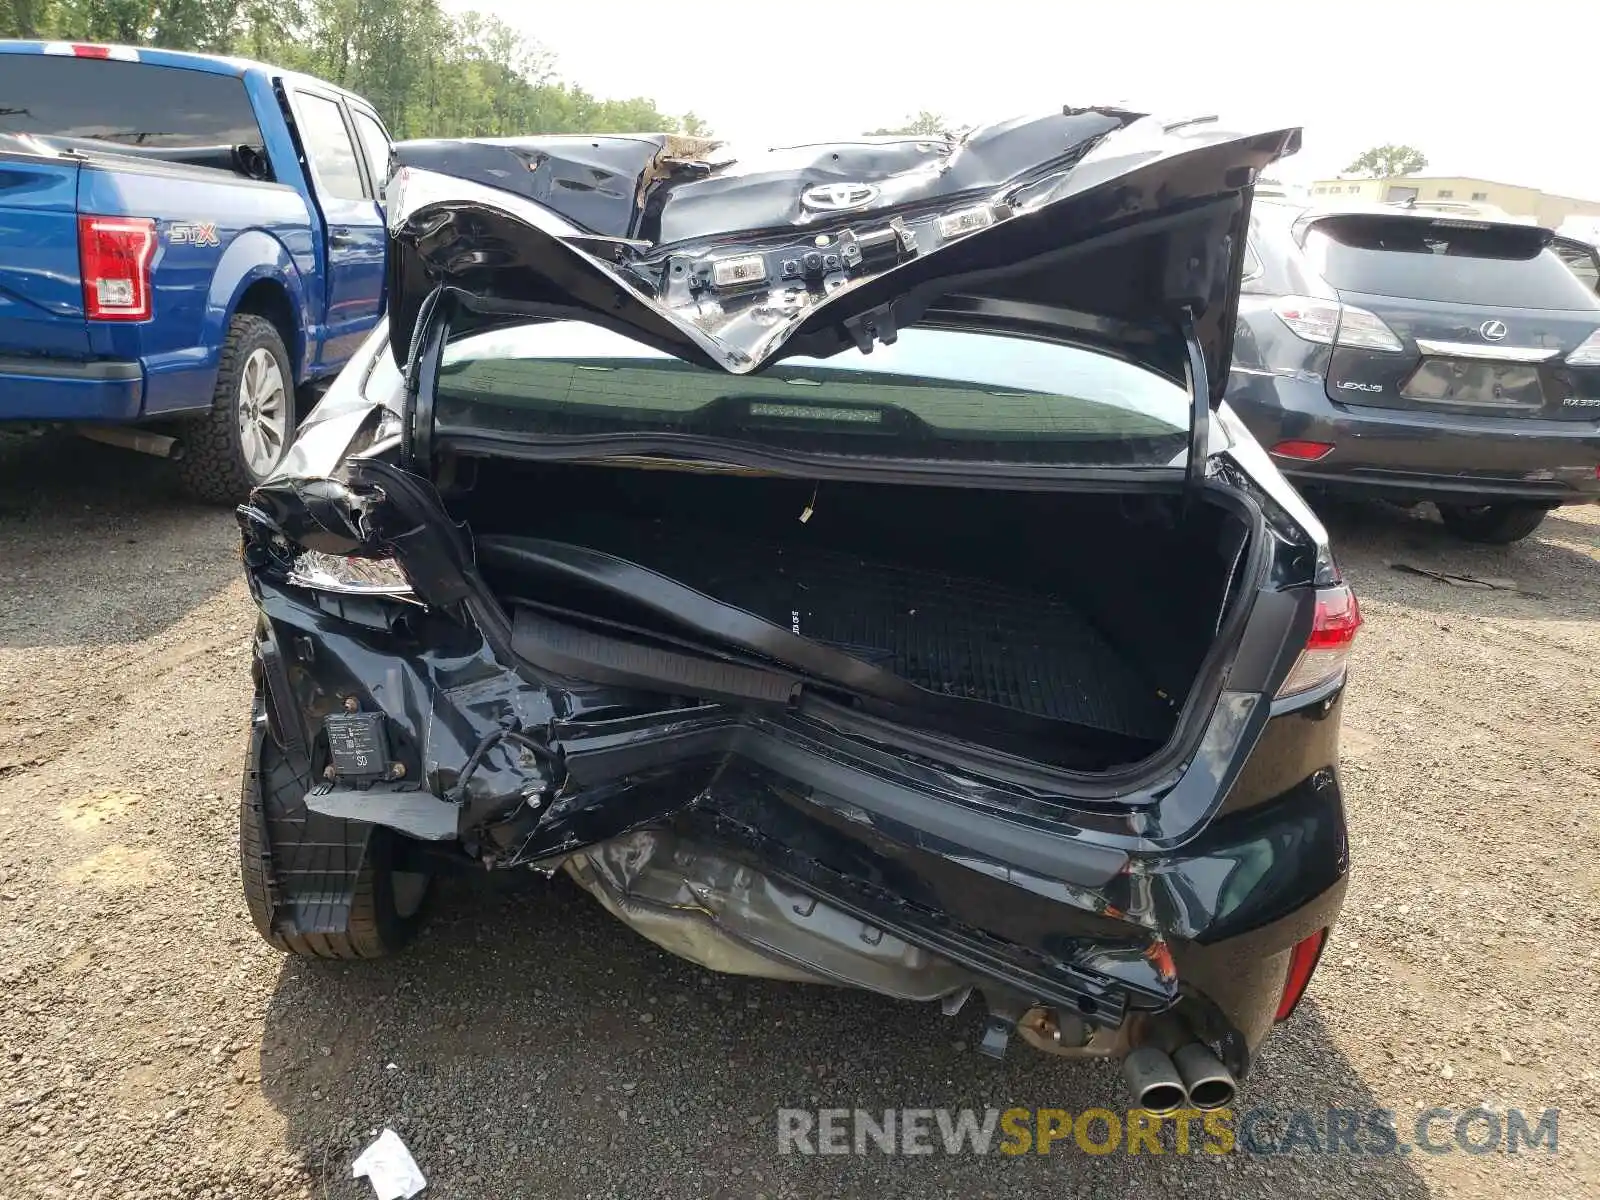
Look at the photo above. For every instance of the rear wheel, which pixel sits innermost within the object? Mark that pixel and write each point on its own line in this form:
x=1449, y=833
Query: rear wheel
x=1495, y=524
x=386, y=905
x=236, y=445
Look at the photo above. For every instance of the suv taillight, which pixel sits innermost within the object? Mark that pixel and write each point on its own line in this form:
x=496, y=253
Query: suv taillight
x=1333, y=324
x=114, y=254
x=1587, y=354
x=1327, y=650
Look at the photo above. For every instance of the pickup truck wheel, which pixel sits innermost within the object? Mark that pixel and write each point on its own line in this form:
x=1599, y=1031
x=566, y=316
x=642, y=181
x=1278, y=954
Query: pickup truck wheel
x=387, y=906
x=236, y=445
x=1494, y=524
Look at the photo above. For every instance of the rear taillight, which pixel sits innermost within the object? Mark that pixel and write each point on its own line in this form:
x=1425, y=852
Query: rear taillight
x=349, y=575
x=1587, y=354
x=1302, y=451
x=114, y=254
x=1330, y=323
x=1327, y=650
x=1302, y=963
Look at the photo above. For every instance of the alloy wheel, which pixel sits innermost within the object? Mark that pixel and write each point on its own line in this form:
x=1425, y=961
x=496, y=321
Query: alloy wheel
x=263, y=412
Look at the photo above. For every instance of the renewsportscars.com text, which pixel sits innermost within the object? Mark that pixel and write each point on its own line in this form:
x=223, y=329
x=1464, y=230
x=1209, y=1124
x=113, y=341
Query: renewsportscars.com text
x=1014, y=1131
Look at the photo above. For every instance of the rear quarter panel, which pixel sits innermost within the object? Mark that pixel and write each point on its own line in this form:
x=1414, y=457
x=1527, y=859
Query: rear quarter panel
x=216, y=234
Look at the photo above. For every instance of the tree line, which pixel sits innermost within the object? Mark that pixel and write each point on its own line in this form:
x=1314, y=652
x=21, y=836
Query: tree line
x=1388, y=161
x=429, y=74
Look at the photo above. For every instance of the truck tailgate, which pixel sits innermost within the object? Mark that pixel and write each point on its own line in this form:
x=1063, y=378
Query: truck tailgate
x=41, y=293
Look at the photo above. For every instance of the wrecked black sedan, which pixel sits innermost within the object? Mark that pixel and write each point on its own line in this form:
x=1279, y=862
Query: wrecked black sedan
x=839, y=564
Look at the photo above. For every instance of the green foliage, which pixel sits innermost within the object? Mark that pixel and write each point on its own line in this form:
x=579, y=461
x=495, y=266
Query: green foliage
x=925, y=123
x=427, y=73
x=1385, y=162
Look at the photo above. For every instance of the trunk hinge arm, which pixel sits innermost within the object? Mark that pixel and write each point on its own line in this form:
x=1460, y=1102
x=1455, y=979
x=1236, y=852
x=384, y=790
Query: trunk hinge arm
x=421, y=381
x=1200, y=399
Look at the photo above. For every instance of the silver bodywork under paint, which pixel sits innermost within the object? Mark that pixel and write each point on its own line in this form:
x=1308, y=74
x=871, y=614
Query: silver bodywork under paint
x=729, y=917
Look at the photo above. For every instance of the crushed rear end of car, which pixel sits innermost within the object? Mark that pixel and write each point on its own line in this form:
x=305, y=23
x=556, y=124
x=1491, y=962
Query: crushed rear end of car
x=833, y=688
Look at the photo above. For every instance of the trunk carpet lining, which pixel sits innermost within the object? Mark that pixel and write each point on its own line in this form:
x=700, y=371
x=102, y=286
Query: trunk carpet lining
x=1021, y=649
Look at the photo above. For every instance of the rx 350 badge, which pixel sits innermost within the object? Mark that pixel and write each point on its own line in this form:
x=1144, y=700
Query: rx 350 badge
x=193, y=233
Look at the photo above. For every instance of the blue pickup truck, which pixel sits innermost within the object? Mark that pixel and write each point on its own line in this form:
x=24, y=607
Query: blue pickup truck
x=186, y=242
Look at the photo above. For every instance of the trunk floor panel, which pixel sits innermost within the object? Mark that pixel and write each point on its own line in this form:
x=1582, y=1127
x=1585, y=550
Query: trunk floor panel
x=1025, y=650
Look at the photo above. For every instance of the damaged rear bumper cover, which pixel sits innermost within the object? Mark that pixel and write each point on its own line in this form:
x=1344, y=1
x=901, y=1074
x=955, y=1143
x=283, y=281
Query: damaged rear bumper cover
x=783, y=841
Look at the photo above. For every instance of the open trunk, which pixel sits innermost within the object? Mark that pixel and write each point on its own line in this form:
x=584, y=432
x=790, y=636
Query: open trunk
x=1045, y=300
x=1066, y=628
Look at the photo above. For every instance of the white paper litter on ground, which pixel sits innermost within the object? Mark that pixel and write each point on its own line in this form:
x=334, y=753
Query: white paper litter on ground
x=389, y=1168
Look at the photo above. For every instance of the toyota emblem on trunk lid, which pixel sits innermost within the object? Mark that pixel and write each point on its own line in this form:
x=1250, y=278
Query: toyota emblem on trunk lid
x=836, y=197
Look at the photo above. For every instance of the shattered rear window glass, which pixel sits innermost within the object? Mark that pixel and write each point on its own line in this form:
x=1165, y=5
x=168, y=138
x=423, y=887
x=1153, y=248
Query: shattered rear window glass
x=935, y=393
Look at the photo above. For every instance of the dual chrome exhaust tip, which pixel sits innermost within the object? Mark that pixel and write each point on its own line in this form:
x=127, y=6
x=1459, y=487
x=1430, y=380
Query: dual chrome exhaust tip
x=1168, y=1070
x=1190, y=1077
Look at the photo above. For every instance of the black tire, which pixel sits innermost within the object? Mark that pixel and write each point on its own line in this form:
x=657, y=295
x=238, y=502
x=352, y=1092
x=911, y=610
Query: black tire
x=275, y=787
x=1492, y=524
x=214, y=466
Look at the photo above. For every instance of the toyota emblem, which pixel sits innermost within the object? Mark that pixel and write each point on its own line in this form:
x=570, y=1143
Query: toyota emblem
x=1492, y=331
x=837, y=197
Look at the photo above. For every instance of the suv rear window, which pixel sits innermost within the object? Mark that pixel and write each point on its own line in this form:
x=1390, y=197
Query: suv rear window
x=934, y=394
x=1456, y=262
x=130, y=105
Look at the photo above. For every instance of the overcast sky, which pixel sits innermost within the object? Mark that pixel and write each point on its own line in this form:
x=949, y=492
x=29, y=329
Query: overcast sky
x=1506, y=91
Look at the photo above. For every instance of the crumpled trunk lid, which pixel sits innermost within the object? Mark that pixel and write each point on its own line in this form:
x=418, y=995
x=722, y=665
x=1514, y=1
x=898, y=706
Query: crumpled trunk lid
x=1101, y=225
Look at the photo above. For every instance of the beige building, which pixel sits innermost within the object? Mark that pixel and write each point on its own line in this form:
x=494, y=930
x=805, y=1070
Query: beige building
x=1522, y=203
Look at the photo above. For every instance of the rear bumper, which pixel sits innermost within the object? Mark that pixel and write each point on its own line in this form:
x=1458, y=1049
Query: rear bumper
x=1030, y=910
x=1088, y=947
x=1408, y=455
x=102, y=390
x=45, y=389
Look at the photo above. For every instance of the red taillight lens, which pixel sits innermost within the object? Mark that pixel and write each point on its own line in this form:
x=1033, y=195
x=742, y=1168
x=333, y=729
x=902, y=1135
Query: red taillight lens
x=1327, y=650
x=81, y=50
x=114, y=254
x=1338, y=619
x=1302, y=962
x=1304, y=451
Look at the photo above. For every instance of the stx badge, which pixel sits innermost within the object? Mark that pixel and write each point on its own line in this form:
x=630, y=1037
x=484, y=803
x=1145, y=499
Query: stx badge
x=193, y=233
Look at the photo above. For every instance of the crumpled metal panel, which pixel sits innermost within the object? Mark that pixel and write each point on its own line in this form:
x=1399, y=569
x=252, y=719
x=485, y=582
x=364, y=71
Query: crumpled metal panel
x=1098, y=213
x=727, y=916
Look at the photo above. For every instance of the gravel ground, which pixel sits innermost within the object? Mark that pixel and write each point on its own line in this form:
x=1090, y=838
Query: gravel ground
x=151, y=1045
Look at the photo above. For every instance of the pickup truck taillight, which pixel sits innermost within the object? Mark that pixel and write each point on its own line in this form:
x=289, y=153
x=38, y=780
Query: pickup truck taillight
x=114, y=254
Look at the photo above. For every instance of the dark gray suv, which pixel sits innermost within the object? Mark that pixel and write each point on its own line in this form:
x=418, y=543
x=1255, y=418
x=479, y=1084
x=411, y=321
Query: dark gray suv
x=1417, y=356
